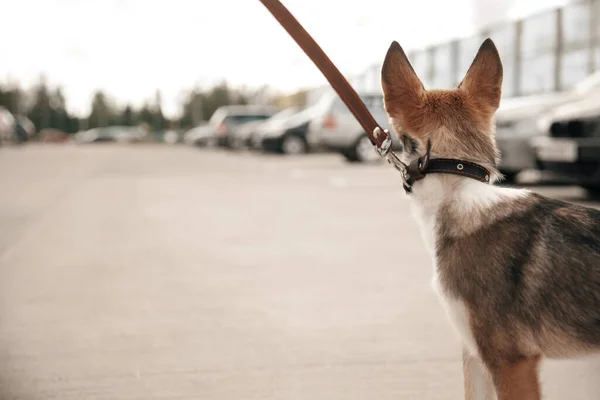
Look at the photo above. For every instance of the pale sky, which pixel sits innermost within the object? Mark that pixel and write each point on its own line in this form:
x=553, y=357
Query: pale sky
x=130, y=48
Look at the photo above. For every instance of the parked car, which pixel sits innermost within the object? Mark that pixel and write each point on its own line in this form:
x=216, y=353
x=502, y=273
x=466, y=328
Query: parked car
x=516, y=124
x=289, y=135
x=570, y=149
x=226, y=118
x=241, y=135
x=336, y=129
x=121, y=134
x=7, y=122
x=201, y=135
x=250, y=133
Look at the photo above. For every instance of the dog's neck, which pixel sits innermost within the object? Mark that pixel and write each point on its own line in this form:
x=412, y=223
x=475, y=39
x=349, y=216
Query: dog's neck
x=463, y=197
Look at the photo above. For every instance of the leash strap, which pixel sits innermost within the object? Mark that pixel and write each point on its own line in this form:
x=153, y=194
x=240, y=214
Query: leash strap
x=379, y=136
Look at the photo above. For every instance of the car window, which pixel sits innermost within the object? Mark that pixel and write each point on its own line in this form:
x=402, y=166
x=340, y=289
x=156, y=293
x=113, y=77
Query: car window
x=242, y=119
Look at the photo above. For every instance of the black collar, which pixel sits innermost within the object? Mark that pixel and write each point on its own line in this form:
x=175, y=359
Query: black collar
x=422, y=166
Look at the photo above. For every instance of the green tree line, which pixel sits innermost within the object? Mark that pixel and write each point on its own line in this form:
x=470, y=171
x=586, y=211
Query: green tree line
x=46, y=108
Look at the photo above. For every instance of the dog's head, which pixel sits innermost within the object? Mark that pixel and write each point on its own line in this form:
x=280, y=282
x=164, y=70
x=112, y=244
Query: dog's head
x=459, y=122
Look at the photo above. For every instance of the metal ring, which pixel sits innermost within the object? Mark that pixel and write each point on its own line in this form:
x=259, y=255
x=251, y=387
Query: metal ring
x=460, y=167
x=386, y=145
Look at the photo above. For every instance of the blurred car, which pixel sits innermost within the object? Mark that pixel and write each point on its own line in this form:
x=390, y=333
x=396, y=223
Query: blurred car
x=516, y=124
x=571, y=148
x=289, y=135
x=7, y=122
x=121, y=134
x=241, y=136
x=200, y=135
x=336, y=129
x=250, y=133
x=226, y=118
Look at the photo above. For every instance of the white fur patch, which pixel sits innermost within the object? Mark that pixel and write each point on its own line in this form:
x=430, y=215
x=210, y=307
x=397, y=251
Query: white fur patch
x=474, y=194
x=468, y=195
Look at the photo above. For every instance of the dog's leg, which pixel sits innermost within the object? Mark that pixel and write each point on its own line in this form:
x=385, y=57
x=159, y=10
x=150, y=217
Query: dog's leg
x=517, y=380
x=477, y=379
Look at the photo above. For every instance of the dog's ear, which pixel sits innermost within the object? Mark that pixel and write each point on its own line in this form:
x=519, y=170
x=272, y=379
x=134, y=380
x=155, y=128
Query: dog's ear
x=403, y=91
x=483, y=81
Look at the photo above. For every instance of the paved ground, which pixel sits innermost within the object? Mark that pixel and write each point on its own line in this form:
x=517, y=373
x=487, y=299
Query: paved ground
x=157, y=272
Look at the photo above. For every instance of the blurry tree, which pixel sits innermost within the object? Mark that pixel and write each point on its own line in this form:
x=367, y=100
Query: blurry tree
x=59, y=117
x=40, y=110
x=127, y=116
x=101, y=113
x=159, y=121
x=145, y=114
x=13, y=99
x=46, y=107
x=192, y=109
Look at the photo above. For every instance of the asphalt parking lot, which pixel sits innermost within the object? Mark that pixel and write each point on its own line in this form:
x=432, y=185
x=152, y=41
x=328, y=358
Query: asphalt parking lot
x=167, y=272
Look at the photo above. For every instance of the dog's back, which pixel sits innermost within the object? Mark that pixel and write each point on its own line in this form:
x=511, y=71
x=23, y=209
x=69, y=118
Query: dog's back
x=531, y=276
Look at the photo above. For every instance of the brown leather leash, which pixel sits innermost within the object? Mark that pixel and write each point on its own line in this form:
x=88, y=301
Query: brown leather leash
x=380, y=137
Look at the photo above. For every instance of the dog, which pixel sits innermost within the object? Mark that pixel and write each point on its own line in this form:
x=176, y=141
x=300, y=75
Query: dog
x=517, y=273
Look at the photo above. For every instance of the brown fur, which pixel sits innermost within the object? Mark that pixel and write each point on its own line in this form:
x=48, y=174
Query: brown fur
x=518, y=380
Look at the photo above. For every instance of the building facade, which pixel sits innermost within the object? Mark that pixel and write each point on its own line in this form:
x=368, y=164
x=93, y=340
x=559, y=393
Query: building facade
x=547, y=51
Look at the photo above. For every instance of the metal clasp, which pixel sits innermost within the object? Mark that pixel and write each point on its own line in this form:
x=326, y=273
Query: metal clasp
x=385, y=152
x=386, y=145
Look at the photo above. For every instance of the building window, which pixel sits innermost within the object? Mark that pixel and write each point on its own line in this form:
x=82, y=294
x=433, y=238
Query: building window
x=442, y=67
x=467, y=49
x=576, y=19
x=420, y=63
x=537, y=74
x=539, y=35
x=538, y=50
x=574, y=67
x=504, y=38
